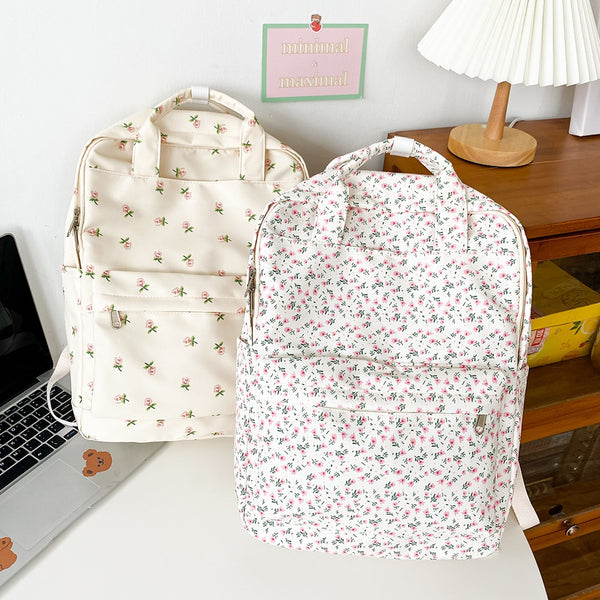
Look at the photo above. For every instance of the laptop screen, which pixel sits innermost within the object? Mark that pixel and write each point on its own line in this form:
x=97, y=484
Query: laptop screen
x=24, y=353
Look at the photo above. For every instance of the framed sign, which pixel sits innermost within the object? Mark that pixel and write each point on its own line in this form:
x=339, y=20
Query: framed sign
x=300, y=63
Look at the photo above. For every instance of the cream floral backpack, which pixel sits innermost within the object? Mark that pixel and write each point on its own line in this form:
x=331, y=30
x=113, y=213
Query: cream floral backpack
x=156, y=247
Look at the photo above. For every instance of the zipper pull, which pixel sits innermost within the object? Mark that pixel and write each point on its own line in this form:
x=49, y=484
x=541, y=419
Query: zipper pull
x=115, y=319
x=250, y=295
x=75, y=222
x=251, y=281
x=480, y=424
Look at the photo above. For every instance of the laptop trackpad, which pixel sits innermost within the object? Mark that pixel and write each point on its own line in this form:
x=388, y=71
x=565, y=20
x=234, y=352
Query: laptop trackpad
x=51, y=493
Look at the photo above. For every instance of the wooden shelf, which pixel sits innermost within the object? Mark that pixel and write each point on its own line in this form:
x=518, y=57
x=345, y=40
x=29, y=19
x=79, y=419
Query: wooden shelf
x=572, y=570
x=551, y=533
x=561, y=397
x=575, y=498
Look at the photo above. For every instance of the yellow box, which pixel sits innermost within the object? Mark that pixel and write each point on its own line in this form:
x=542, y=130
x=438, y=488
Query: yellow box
x=565, y=316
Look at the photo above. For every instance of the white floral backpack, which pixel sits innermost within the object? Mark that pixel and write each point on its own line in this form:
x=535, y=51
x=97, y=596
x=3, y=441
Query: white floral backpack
x=382, y=365
x=156, y=248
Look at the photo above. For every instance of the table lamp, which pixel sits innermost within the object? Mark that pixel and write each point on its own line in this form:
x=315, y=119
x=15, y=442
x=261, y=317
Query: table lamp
x=533, y=42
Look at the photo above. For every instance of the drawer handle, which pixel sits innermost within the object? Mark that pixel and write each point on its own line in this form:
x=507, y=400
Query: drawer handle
x=572, y=530
x=557, y=511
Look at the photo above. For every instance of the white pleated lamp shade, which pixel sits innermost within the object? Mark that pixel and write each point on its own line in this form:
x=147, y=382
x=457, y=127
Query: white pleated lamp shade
x=533, y=42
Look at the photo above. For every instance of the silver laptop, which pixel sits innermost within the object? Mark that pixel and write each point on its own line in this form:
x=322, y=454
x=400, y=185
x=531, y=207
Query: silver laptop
x=49, y=474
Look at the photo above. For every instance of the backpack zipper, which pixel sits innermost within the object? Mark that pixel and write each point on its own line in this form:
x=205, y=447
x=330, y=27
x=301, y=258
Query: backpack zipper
x=74, y=229
x=250, y=287
x=115, y=319
x=523, y=291
x=79, y=183
x=254, y=271
x=480, y=424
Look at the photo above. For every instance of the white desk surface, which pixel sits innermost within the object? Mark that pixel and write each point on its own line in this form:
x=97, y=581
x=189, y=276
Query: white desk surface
x=172, y=531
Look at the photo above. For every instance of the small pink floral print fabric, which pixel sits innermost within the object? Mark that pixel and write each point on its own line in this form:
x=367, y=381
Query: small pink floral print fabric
x=382, y=365
x=159, y=229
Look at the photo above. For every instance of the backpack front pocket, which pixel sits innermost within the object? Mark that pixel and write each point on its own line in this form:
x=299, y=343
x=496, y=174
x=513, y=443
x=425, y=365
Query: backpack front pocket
x=164, y=345
x=359, y=447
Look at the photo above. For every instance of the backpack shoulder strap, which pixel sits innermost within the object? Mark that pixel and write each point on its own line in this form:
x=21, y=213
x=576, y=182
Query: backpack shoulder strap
x=62, y=368
x=521, y=504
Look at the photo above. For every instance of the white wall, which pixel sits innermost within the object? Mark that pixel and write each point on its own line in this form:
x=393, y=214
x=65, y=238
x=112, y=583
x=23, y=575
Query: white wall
x=69, y=68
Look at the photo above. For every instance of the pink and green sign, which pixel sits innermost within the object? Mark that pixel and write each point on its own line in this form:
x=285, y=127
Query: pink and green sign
x=302, y=64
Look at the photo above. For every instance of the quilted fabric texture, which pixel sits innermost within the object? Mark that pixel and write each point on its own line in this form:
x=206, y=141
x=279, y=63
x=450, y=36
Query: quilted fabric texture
x=158, y=232
x=382, y=365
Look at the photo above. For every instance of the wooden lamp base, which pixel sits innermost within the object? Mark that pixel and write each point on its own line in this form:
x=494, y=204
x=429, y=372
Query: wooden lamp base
x=513, y=149
x=493, y=144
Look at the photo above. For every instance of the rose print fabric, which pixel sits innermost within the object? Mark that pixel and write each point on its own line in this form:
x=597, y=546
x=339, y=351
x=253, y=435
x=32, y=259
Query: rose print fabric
x=382, y=365
x=158, y=235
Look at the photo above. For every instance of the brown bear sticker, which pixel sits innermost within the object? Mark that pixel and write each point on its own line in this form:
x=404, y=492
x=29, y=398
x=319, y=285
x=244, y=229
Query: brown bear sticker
x=7, y=556
x=95, y=462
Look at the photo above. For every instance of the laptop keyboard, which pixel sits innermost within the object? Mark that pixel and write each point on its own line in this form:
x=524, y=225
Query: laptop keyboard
x=29, y=433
